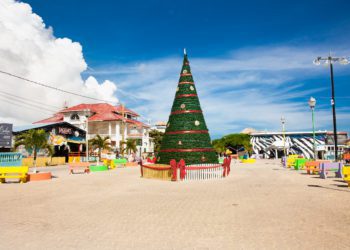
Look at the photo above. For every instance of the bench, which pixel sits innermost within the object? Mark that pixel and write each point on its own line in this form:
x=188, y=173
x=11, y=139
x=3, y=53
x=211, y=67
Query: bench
x=118, y=162
x=299, y=163
x=313, y=167
x=78, y=166
x=107, y=162
x=335, y=167
x=346, y=157
x=250, y=160
x=291, y=160
x=18, y=172
x=346, y=174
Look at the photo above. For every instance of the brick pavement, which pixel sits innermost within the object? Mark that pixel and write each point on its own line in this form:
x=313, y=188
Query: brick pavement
x=259, y=206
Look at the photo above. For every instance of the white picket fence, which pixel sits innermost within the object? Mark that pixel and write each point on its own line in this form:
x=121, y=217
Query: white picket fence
x=204, y=172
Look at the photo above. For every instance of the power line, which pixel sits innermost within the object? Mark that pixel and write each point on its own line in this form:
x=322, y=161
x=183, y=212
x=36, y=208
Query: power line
x=28, y=99
x=40, y=107
x=51, y=87
x=24, y=106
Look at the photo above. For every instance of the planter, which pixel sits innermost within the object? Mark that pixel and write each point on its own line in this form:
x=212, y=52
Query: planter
x=39, y=176
x=98, y=168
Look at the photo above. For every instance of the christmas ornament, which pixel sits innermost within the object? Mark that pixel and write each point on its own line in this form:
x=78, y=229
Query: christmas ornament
x=183, y=106
x=180, y=143
x=203, y=159
x=184, y=71
x=191, y=88
x=177, y=89
x=197, y=123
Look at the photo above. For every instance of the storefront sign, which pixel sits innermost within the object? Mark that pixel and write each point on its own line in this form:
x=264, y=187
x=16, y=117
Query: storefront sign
x=5, y=135
x=65, y=131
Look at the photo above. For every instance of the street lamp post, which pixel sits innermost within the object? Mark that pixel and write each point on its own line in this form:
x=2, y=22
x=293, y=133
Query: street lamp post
x=283, y=121
x=87, y=133
x=330, y=60
x=312, y=104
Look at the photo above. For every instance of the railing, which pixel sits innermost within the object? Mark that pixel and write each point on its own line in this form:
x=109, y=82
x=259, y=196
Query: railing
x=81, y=157
x=135, y=135
x=180, y=172
x=44, y=161
x=10, y=159
x=204, y=172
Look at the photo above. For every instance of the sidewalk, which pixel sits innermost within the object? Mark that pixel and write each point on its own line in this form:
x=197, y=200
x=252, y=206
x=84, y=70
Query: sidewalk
x=259, y=206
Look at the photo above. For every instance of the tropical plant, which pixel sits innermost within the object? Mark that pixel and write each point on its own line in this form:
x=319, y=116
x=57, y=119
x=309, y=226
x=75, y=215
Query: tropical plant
x=157, y=139
x=33, y=141
x=130, y=146
x=234, y=142
x=219, y=146
x=100, y=143
x=237, y=141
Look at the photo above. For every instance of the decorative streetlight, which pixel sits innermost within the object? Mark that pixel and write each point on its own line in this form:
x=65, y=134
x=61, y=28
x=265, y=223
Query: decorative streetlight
x=86, y=111
x=330, y=60
x=312, y=104
x=283, y=121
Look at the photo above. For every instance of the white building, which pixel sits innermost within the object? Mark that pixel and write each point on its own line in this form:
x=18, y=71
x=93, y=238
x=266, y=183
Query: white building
x=117, y=122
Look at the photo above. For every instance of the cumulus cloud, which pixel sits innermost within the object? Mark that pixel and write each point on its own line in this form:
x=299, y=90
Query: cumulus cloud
x=29, y=49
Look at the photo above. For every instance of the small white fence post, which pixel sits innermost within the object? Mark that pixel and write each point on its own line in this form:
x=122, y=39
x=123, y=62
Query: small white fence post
x=203, y=172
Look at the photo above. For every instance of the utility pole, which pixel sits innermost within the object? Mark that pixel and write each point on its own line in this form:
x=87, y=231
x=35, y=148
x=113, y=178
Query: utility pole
x=283, y=120
x=330, y=60
x=86, y=135
x=123, y=130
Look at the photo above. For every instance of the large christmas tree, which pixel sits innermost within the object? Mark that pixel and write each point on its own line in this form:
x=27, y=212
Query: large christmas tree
x=186, y=136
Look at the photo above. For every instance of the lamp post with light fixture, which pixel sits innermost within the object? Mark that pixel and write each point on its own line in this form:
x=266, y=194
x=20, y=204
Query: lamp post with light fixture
x=86, y=111
x=330, y=60
x=283, y=121
x=312, y=104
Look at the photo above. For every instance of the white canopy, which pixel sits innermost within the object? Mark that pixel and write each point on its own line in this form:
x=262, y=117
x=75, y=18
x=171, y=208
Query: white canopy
x=279, y=144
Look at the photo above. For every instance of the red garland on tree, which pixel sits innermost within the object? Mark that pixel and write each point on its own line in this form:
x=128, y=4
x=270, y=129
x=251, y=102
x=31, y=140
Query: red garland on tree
x=186, y=136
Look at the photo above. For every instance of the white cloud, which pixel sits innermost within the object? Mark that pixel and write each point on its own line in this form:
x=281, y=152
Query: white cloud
x=251, y=87
x=29, y=49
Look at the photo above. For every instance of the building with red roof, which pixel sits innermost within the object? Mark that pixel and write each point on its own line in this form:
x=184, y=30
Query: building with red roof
x=117, y=122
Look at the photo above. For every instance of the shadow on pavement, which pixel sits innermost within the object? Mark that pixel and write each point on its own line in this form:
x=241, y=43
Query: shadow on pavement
x=342, y=190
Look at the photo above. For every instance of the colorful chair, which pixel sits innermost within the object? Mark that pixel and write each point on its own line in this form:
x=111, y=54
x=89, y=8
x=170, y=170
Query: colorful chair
x=327, y=167
x=346, y=174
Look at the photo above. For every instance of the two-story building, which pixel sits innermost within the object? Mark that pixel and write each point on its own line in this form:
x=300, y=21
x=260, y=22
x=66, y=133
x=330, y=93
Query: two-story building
x=117, y=122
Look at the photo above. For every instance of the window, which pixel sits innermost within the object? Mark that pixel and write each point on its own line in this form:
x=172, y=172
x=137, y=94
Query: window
x=74, y=116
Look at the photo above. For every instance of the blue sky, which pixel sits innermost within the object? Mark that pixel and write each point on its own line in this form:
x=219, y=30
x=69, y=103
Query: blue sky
x=251, y=60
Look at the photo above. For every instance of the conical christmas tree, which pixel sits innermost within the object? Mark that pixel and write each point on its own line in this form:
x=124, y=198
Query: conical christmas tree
x=186, y=136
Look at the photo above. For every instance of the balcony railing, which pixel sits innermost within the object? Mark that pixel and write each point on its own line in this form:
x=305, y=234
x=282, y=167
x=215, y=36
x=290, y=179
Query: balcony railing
x=135, y=135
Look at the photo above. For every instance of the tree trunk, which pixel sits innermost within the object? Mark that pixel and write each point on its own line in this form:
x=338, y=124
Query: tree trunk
x=99, y=156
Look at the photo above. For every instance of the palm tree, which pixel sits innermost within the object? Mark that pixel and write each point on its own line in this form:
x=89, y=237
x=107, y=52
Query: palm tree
x=157, y=139
x=130, y=146
x=34, y=140
x=100, y=143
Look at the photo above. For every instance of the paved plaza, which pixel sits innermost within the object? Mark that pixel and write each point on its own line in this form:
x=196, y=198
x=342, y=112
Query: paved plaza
x=259, y=206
